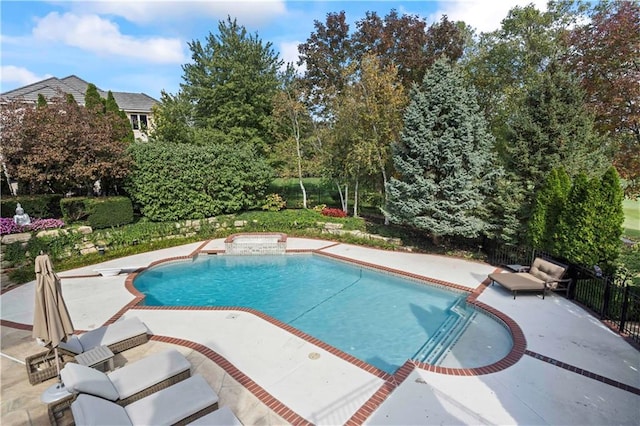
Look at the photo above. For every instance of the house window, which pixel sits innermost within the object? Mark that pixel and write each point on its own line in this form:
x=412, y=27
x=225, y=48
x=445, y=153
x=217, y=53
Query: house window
x=139, y=121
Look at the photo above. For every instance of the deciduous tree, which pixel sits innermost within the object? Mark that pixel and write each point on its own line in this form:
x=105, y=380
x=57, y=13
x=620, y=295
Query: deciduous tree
x=605, y=54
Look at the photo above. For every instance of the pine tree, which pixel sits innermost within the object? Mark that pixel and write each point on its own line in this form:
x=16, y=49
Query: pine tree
x=444, y=160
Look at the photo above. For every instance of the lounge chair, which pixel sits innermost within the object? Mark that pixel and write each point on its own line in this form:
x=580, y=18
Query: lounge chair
x=126, y=385
x=179, y=404
x=118, y=337
x=222, y=417
x=542, y=275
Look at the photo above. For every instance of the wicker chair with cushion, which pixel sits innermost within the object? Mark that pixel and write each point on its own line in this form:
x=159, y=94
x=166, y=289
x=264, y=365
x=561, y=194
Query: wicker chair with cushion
x=125, y=385
x=118, y=337
x=178, y=404
x=542, y=275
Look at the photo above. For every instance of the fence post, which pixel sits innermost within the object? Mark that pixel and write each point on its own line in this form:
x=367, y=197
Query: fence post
x=606, y=297
x=625, y=304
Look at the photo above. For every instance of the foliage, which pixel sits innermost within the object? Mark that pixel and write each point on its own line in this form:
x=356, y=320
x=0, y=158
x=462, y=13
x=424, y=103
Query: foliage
x=44, y=224
x=333, y=212
x=274, y=203
x=325, y=54
x=444, y=161
x=631, y=224
x=42, y=101
x=608, y=227
x=293, y=152
x=551, y=128
x=231, y=81
x=173, y=182
x=604, y=54
x=8, y=226
x=92, y=99
x=576, y=239
x=108, y=211
x=173, y=118
x=40, y=206
x=61, y=147
x=368, y=120
x=549, y=202
x=74, y=208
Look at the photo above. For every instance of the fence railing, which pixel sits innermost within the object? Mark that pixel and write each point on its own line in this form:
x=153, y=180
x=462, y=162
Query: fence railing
x=612, y=298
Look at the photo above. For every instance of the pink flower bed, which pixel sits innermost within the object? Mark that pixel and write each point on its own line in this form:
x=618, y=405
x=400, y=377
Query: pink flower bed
x=8, y=226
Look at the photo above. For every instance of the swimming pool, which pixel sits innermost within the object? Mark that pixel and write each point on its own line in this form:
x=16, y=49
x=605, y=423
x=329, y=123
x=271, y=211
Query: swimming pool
x=377, y=317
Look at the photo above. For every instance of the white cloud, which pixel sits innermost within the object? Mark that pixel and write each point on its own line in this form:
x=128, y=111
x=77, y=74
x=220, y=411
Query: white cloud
x=483, y=15
x=248, y=12
x=18, y=76
x=100, y=36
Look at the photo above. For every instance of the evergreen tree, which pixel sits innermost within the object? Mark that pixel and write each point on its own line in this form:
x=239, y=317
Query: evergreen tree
x=231, y=82
x=444, y=161
x=610, y=218
x=42, y=101
x=92, y=99
x=553, y=128
x=576, y=230
x=70, y=99
x=548, y=205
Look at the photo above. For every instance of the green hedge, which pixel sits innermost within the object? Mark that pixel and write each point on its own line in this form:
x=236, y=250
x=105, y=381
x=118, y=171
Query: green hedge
x=103, y=212
x=109, y=212
x=39, y=206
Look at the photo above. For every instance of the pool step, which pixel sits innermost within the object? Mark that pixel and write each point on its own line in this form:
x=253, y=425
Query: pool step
x=434, y=349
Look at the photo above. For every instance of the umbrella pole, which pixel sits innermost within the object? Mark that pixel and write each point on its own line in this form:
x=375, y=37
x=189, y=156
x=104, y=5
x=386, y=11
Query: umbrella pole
x=55, y=351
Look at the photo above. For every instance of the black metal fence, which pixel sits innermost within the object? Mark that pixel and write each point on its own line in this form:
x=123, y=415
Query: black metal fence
x=612, y=298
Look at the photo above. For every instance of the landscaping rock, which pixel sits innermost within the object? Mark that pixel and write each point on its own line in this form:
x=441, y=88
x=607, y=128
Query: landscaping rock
x=50, y=233
x=14, y=238
x=85, y=230
x=239, y=223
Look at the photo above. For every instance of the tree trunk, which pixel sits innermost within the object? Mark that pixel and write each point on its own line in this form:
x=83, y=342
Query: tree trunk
x=355, y=200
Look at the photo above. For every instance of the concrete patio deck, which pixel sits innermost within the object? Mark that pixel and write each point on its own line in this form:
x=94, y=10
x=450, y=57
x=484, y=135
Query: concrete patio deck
x=569, y=369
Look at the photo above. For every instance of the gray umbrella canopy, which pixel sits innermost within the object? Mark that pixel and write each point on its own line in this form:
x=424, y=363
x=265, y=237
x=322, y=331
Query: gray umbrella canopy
x=51, y=320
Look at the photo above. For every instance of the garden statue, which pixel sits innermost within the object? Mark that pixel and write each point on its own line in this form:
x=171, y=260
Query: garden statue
x=21, y=218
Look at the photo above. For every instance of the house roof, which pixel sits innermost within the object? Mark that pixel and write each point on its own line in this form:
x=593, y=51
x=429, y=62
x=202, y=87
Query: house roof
x=77, y=87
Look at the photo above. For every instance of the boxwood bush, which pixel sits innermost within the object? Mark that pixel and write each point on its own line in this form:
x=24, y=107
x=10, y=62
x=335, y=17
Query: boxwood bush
x=109, y=211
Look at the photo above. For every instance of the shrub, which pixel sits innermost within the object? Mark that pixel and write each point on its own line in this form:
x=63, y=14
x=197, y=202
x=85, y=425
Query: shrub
x=182, y=181
x=73, y=209
x=35, y=206
x=109, y=211
x=274, y=203
x=331, y=212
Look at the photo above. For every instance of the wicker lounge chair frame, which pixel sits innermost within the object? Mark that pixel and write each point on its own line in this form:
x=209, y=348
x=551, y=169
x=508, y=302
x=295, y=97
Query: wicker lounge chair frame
x=60, y=411
x=42, y=366
x=62, y=415
x=541, y=276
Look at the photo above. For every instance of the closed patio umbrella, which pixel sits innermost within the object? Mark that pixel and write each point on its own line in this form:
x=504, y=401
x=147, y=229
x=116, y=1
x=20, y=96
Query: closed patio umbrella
x=51, y=321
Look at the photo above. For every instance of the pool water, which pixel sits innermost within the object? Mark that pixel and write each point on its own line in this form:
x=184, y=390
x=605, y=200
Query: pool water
x=379, y=318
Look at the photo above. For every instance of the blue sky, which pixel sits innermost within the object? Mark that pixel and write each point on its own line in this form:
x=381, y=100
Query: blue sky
x=140, y=46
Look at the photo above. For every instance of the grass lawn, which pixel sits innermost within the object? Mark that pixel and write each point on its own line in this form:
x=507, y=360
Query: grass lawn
x=631, y=219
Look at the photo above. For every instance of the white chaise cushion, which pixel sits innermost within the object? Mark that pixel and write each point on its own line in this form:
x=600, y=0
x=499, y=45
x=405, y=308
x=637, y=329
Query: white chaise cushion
x=93, y=411
x=172, y=404
x=112, y=333
x=221, y=417
x=72, y=344
x=82, y=379
x=140, y=375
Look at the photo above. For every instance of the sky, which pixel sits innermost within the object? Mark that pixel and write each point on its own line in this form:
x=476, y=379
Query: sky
x=141, y=45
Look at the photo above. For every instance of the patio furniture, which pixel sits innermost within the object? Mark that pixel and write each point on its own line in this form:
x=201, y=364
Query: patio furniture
x=542, y=275
x=222, y=417
x=178, y=404
x=99, y=355
x=118, y=337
